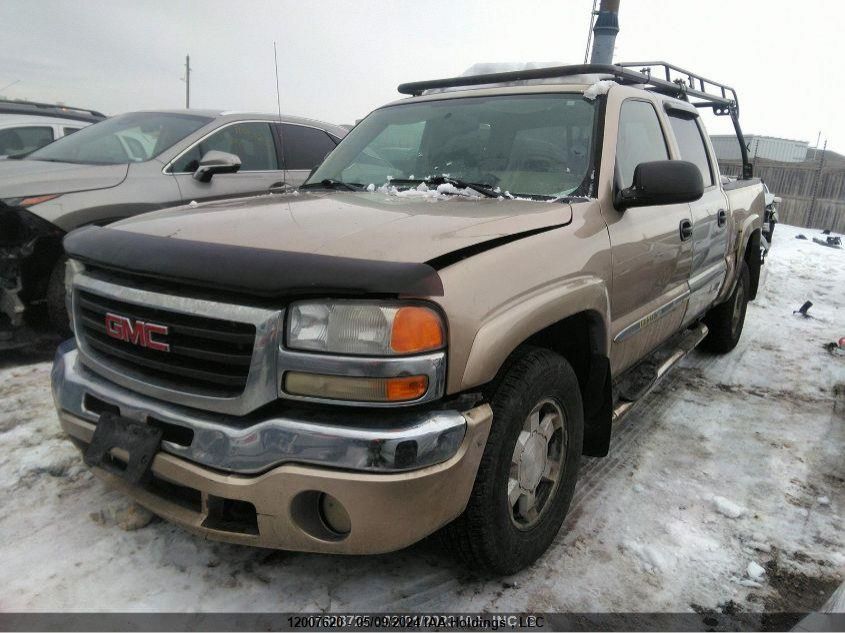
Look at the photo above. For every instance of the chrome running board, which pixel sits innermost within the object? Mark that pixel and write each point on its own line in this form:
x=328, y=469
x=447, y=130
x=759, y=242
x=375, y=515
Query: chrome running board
x=660, y=361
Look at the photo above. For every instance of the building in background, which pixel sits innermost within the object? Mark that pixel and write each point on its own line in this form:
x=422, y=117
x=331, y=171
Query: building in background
x=768, y=147
x=810, y=181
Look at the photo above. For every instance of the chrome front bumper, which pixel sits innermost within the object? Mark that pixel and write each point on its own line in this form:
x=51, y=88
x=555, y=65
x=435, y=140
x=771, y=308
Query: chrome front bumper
x=389, y=442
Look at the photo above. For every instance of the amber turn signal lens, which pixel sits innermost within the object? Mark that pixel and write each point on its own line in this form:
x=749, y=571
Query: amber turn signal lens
x=416, y=329
x=406, y=388
x=402, y=389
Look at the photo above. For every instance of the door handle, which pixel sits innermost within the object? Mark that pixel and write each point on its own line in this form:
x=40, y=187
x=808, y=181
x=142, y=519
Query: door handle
x=722, y=217
x=686, y=230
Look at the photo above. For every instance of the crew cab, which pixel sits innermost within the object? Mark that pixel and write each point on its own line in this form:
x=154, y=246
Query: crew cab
x=459, y=303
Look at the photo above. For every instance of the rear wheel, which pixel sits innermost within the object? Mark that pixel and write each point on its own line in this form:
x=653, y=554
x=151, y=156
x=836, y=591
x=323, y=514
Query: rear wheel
x=726, y=320
x=527, y=475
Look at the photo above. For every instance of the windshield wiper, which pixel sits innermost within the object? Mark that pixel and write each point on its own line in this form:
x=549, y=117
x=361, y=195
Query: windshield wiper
x=481, y=187
x=328, y=183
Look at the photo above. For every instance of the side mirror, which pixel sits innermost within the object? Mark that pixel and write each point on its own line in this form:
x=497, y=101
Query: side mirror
x=662, y=182
x=215, y=162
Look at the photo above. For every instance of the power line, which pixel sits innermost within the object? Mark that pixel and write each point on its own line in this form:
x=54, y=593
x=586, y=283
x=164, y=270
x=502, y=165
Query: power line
x=16, y=81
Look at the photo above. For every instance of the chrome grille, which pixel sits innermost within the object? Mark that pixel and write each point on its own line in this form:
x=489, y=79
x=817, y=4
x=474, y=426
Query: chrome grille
x=207, y=356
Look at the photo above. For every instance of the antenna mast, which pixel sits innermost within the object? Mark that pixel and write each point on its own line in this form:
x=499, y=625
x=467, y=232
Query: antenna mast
x=279, y=108
x=187, y=81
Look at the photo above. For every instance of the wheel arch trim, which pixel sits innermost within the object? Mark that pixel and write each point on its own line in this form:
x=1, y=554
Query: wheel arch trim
x=525, y=316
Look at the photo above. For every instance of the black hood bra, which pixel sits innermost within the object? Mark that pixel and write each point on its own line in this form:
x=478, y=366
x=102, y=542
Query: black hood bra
x=254, y=271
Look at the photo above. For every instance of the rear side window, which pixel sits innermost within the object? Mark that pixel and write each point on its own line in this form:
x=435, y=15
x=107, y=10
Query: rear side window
x=20, y=140
x=690, y=142
x=640, y=139
x=305, y=147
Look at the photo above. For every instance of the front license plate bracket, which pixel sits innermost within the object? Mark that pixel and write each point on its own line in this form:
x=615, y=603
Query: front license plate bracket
x=140, y=441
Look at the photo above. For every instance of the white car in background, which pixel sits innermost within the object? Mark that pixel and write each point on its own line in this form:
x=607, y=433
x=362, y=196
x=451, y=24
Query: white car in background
x=26, y=126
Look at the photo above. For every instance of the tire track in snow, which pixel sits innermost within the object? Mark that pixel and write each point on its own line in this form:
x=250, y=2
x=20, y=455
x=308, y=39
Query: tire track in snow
x=625, y=436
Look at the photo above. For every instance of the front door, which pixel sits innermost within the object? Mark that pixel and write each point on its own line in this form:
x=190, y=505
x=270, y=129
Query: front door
x=650, y=256
x=254, y=143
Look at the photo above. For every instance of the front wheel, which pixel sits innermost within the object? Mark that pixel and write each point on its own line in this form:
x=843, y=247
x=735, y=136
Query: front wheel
x=726, y=320
x=528, y=471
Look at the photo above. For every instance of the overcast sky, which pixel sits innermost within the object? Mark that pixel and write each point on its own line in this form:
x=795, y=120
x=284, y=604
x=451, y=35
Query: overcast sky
x=339, y=60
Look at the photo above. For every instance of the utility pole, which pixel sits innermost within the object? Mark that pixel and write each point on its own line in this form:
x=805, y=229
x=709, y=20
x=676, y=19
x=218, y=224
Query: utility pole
x=187, y=81
x=604, y=32
x=816, y=186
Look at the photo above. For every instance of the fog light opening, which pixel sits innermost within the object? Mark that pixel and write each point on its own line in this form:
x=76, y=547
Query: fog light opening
x=334, y=515
x=320, y=515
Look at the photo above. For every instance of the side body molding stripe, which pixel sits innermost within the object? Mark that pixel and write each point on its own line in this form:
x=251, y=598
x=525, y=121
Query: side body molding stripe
x=651, y=317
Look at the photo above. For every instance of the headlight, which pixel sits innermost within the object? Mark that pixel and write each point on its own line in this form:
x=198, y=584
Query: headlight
x=364, y=328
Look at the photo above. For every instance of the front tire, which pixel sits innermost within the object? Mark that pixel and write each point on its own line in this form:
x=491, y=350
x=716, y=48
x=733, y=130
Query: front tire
x=726, y=320
x=528, y=471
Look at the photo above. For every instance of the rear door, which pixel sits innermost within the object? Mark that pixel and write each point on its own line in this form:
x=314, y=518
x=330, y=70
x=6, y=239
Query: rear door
x=251, y=141
x=650, y=258
x=710, y=215
x=303, y=148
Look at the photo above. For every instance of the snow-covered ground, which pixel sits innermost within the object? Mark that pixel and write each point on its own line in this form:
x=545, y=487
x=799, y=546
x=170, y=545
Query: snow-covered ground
x=724, y=490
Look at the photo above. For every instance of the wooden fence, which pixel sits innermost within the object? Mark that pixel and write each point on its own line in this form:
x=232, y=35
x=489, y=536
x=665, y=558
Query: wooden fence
x=794, y=183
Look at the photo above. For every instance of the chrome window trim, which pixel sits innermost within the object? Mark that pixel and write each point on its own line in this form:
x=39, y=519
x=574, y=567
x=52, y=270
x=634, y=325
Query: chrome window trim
x=432, y=365
x=261, y=385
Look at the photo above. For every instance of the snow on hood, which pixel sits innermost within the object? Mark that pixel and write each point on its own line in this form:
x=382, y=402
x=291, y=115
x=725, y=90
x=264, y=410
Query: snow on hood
x=422, y=190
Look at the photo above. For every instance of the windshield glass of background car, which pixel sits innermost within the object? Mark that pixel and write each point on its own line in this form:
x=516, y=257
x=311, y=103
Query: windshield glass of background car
x=128, y=138
x=524, y=144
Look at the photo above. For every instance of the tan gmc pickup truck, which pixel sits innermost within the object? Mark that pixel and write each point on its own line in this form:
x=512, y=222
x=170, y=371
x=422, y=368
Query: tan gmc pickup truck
x=462, y=300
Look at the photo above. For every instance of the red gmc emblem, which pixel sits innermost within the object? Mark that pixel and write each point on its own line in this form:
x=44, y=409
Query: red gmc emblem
x=136, y=332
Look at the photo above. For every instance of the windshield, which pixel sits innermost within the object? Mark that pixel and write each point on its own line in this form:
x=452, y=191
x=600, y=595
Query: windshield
x=128, y=138
x=522, y=145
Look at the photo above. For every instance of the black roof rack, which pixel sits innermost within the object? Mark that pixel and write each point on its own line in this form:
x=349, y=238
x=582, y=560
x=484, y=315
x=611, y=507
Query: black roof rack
x=8, y=106
x=672, y=81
